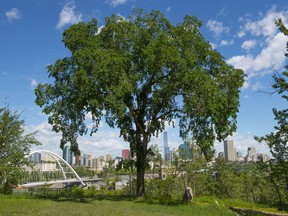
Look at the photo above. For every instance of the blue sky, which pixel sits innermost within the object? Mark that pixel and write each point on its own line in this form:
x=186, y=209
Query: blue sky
x=242, y=31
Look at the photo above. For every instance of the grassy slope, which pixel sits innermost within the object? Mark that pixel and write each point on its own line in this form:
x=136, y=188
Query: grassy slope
x=21, y=206
x=240, y=204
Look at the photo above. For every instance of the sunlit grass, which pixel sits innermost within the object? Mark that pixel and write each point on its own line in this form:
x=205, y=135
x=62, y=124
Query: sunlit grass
x=27, y=206
x=236, y=203
x=118, y=205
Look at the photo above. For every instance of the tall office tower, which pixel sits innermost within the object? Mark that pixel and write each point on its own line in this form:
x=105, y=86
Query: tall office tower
x=125, y=153
x=166, y=148
x=96, y=164
x=84, y=160
x=229, y=151
x=78, y=160
x=67, y=154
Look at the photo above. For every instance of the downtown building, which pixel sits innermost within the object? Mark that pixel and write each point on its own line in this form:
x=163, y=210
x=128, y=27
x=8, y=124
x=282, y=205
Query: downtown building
x=167, y=154
x=126, y=153
x=67, y=154
x=229, y=150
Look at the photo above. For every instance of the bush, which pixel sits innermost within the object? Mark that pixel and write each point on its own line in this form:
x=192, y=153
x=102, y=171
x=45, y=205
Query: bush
x=78, y=193
x=164, y=191
x=90, y=192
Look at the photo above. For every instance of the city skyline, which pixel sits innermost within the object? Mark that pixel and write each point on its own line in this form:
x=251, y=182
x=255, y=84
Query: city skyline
x=229, y=152
x=244, y=34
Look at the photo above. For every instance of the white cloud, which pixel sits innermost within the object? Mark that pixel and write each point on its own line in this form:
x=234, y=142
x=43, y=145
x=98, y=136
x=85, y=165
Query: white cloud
x=271, y=56
x=116, y=3
x=265, y=25
x=241, y=34
x=34, y=83
x=264, y=33
x=245, y=85
x=257, y=86
x=13, y=14
x=103, y=142
x=68, y=15
x=226, y=42
x=248, y=44
x=217, y=27
x=213, y=45
x=49, y=139
x=243, y=62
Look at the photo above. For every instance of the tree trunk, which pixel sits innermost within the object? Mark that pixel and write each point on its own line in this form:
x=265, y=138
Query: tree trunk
x=140, y=181
x=278, y=192
x=141, y=155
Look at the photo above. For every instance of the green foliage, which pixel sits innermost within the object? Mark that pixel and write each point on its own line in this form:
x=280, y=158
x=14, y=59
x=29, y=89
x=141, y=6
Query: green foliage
x=36, y=175
x=142, y=71
x=154, y=156
x=225, y=184
x=197, y=175
x=14, y=147
x=278, y=140
x=85, y=172
x=90, y=192
x=165, y=191
x=78, y=193
x=130, y=188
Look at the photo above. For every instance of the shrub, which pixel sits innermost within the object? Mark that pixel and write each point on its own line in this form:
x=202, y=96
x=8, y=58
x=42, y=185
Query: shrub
x=77, y=193
x=90, y=192
x=164, y=191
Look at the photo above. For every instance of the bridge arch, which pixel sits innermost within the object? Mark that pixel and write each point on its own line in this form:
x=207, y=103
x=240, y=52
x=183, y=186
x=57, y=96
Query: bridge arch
x=59, y=161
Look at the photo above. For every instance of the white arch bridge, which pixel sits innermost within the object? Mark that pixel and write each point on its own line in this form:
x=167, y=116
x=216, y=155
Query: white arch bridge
x=68, y=174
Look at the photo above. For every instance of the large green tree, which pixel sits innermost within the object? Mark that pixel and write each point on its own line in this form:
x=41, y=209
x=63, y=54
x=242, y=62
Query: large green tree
x=278, y=140
x=14, y=147
x=139, y=73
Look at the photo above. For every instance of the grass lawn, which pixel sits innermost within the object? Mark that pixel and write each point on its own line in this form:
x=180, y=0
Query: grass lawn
x=13, y=205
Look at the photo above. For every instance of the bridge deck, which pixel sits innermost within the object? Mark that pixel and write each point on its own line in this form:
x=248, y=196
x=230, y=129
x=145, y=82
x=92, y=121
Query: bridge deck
x=36, y=184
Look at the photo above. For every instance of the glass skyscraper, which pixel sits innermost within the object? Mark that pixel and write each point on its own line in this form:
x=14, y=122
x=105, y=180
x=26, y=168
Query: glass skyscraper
x=166, y=148
x=67, y=154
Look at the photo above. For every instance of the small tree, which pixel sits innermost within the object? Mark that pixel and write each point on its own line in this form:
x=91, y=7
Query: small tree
x=14, y=147
x=225, y=179
x=278, y=140
x=140, y=73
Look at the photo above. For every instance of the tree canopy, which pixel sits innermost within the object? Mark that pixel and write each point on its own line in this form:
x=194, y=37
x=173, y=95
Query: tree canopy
x=14, y=146
x=139, y=73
